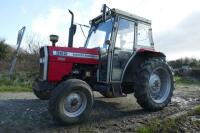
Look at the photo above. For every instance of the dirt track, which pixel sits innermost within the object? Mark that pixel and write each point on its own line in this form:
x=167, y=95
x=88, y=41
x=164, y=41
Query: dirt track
x=23, y=112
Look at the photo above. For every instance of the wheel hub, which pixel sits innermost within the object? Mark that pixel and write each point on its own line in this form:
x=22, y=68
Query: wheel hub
x=159, y=85
x=74, y=104
x=155, y=83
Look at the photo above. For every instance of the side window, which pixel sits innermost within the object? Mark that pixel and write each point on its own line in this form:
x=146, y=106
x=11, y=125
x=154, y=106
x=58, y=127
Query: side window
x=143, y=35
x=125, y=35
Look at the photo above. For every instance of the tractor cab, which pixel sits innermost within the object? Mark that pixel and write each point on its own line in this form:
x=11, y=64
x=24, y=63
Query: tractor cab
x=118, y=35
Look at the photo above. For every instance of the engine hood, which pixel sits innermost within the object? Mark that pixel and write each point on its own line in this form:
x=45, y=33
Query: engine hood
x=73, y=55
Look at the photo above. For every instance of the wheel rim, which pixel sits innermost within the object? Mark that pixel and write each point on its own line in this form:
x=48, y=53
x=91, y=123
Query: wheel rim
x=160, y=85
x=74, y=104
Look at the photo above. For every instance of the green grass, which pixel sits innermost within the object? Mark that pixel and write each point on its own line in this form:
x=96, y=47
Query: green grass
x=15, y=88
x=180, y=80
x=18, y=83
x=145, y=130
x=168, y=125
x=197, y=110
x=162, y=126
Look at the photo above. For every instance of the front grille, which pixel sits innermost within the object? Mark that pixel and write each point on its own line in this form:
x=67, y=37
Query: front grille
x=41, y=73
x=42, y=63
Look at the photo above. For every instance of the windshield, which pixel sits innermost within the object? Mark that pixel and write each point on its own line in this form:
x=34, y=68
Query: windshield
x=98, y=34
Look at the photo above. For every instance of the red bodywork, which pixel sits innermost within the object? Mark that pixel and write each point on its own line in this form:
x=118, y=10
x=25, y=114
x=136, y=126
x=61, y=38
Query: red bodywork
x=150, y=52
x=60, y=63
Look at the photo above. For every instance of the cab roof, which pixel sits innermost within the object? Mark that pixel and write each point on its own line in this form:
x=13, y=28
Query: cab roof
x=119, y=12
x=131, y=16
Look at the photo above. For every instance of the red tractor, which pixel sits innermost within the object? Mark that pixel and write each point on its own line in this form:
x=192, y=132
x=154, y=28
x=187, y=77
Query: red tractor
x=118, y=58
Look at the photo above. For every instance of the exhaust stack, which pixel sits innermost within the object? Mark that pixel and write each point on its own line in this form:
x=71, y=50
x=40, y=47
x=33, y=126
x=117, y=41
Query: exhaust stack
x=72, y=30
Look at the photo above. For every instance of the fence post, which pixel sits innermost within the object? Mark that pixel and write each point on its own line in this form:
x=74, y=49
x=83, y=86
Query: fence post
x=14, y=58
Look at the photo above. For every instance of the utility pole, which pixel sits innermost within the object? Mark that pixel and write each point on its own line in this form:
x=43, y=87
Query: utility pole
x=14, y=59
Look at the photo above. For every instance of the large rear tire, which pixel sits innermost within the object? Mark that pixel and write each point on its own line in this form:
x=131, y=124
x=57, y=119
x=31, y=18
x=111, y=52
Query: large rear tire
x=71, y=102
x=154, y=85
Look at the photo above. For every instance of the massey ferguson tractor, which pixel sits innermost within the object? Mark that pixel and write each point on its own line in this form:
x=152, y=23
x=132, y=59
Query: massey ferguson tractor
x=118, y=58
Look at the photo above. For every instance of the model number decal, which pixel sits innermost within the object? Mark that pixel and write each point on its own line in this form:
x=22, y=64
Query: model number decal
x=77, y=55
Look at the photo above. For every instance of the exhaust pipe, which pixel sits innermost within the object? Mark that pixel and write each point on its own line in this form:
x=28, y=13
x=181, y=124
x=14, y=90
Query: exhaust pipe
x=72, y=30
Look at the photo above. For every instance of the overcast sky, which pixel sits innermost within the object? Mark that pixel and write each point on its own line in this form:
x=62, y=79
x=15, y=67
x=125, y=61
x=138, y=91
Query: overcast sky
x=175, y=23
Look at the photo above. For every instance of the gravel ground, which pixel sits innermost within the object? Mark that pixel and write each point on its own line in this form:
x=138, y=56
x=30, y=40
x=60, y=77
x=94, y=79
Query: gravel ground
x=23, y=112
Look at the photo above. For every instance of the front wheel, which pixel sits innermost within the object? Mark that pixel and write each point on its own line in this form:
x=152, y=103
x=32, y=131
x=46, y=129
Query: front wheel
x=71, y=102
x=154, y=85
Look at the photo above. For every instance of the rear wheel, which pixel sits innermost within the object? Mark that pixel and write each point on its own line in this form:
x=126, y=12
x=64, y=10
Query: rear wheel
x=71, y=102
x=154, y=85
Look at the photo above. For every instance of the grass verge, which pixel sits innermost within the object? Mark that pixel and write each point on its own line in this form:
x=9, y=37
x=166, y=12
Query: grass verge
x=180, y=80
x=4, y=88
x=19, y=83
x=197, y=110
x=159, y=126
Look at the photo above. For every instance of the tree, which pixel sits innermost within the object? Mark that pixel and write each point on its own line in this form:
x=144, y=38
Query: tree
x=191, y=62
x=5, y=49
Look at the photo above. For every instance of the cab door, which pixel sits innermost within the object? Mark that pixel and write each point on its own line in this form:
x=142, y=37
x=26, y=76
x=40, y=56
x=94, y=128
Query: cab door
x=123, y=48
x=105, y=30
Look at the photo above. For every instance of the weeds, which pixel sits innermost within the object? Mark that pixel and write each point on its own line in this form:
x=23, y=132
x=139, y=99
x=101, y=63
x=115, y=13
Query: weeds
x=171, y=125
x=19, y=82
x=181, y=80
x=144, y=130
x=197, y=110
x=160, y=126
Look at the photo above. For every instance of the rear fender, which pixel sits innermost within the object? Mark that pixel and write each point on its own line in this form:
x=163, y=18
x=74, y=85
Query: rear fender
x=148, y=53
x=135, y=60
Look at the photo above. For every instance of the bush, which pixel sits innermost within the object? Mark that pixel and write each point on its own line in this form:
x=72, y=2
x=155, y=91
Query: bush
x=20, y=82
x=26, y=68
x=197, y=110
x=189, y=62
x=186, y=80
x=4, y=49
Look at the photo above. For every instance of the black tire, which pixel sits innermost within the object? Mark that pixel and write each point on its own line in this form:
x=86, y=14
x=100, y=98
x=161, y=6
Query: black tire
x=57, y=103
x=42, y=95
x=154, y=80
